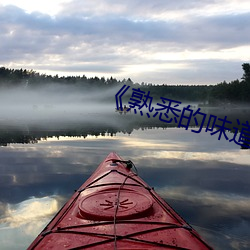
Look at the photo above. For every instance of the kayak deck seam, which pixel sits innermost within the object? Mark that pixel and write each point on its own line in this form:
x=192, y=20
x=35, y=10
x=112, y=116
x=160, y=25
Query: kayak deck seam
x=111, y=184
x=120, y=222
x=126, y=237
x=114, y=170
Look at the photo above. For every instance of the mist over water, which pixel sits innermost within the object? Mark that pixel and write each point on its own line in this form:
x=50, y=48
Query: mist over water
x=55, y=103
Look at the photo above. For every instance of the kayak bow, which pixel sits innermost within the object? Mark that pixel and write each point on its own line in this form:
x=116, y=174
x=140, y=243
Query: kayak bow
x=116, y=209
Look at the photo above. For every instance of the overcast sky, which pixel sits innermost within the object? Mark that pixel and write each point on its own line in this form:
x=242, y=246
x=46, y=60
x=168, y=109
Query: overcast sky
x=157, y=41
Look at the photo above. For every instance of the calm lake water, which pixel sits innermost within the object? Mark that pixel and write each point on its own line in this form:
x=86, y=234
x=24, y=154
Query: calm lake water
x=204, y=179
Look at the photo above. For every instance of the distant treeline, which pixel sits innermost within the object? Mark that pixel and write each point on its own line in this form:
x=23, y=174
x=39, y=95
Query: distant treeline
x=236, y=91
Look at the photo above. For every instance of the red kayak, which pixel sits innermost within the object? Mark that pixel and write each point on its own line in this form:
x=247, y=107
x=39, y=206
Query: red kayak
x=116, y=209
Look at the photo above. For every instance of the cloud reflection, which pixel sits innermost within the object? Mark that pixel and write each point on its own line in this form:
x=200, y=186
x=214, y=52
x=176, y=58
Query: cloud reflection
x=237, y=157
x=22, y=222
x=228, y=203
x=29, y=211
x=225, y=215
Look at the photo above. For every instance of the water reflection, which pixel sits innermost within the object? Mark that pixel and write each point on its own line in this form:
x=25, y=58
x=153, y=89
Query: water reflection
x=31, y=210
x=101, y=124
x=21, y=221
x=205, y=180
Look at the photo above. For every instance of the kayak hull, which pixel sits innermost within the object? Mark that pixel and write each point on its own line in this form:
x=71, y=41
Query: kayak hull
x=116, y=209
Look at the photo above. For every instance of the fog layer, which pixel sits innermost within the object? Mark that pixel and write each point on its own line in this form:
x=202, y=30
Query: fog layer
x=54, y=103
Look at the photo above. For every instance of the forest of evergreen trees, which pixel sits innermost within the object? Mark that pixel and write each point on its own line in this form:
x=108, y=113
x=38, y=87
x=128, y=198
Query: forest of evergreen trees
x=236, y=91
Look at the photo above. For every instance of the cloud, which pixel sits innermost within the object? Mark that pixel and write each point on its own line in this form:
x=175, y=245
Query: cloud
x=124, y=39
x=118, y=30
x=148, y=9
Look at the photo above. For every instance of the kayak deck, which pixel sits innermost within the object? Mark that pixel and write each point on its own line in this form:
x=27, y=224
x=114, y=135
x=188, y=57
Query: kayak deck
x=116, y=209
